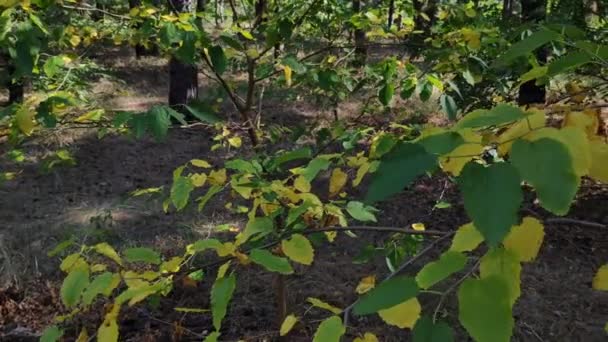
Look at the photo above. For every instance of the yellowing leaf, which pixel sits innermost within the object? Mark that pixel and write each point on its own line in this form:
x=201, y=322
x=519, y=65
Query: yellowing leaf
x=298, y=249
x=418, y=226
x=72, y=262
x=536, y=119
x=466, y=239
x=361, y=172
x=337, y=181
x=599, y=160
x=108, y=251
x=525, y=240
x=454, y=161
x=472, y=37
x=402, y=315
x=331, y=236
x=25, y=119
x=171, y=266
x=235, y=142
x=108, y=330
x=600, y=281
x=302, y=184
x=198, y=179
x=83, y=336
x=505, y=264
x=288, y=72
x=367, y=337
x=200, y=163
x=321, y=304
x=574, y=139
x=221, y=272
x=366, y=284
x=217, y=177
x=587, y=120
x=75, y=40
x=288, y=324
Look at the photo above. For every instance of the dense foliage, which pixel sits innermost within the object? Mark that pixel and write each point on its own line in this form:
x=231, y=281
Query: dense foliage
x=480, y=60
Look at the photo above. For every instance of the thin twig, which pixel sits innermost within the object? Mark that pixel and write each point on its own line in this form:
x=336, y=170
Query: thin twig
x=95, y=9
x=452, y=288
x=400, y=269
x=564, y=220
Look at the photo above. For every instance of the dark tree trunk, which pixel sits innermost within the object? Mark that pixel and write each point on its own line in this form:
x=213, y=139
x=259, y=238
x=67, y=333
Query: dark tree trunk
x=360, y=41
x=391, y=13
x=533, y=11
x=15, y=86
x=507, y=9
x=200, y=5
x=260, y=10
x=183, y=77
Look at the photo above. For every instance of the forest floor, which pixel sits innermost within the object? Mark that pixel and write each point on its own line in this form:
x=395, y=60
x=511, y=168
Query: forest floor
x=91, y=199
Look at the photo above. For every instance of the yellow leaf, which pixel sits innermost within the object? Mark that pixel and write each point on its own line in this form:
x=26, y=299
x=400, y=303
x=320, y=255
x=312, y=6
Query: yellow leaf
x=467, y=238
x=75, y=40
x=337, y=181
x=366, y=284
x=83, y=336
x=574, y=139
x=287, y=70
x=108, y=330
x=198, y=179
x=217, y=177
x=25, y=119
x=361, y=172
x=107, y=250
x=302, y=184
x=235, y=142
x=599, y=160
x=472, y=37
x=525, y=240
x=454, y=161
x=536, y=119
x=98, y=268
x=402, y=315
x=72, y=262
x=418, y=226
x=172, y=265
x=200, y=163
x=227, y=248
x=298, y=249
x=600, y=281
x=221, y=272
x=288, y=324
x=367, y=337
x=321, y=304
x=331, y=236
x=587, y=120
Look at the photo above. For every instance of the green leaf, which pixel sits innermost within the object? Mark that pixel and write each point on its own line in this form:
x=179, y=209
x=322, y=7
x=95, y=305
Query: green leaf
x=385, y=94
x=180, y=192
x=270, y=261
x=441, y=143
x=546, y=164
x=294, y=64
x=436, y=271
x=569, y=61
x=313, y=168
x=158, y=120
x=142, y=254
x=425, y=90
x=407, y=88
x=330, y=330
x=260, y=226
x=536, y=73
x=73, y=285
x=449, y=106
x=221, y=294
x=203, y=112
x=526, y=46
x=484, y=309
x=232, y=42
x=397, y=169
x=505, y=264
x=51, y=334
x=299, y=249
x=492, y=197
x=218, y=59
x=101, y=284
x=386, y=295
x=427, y=331
x=361, y=212
x=212, y=337
x=53, y=65
x=501, y=114
x=202, y=245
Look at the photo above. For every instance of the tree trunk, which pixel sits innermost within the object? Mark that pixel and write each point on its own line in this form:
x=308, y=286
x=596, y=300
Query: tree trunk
x=360, y=43
x=391, y=13
x=507, y=9
x=260, y=9
x=183, y=77
x=533, y=11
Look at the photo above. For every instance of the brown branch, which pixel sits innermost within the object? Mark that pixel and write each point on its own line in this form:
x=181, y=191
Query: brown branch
x=95, y=9
x=564, y=220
